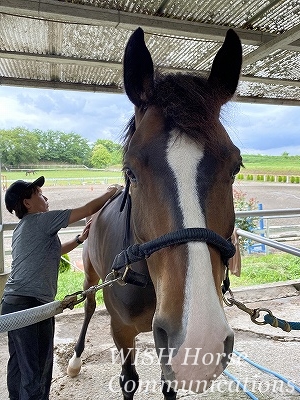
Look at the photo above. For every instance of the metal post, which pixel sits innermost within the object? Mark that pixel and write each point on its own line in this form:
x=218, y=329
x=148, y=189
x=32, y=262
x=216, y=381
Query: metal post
x=261, y=228
x=267, y=234
x=3, y=274
x=269, y=242
x=1, y=227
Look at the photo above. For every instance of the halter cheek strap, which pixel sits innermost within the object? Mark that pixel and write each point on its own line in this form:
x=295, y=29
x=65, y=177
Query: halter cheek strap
x=125, y=195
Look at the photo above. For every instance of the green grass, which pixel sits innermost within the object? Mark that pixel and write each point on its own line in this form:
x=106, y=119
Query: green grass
x=62, y=175
x=256, y=269
x=258, y=164
x=70, y=282
x=254, y=164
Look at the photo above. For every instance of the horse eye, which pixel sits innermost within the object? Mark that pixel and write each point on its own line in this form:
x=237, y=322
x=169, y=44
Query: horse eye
x=144, y=107
x=236, y=171
x=130, y=175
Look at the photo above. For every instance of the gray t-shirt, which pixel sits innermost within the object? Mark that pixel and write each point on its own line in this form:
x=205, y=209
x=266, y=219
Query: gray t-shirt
x=36, y=251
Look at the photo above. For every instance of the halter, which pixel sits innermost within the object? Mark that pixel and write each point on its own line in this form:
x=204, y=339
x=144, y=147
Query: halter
x=138, y=252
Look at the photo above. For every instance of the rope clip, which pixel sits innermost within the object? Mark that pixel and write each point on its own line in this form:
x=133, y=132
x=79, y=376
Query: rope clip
x=72, y=299
x=122, y=280
x=254, y=313
x=110, y=278
x=130, y=276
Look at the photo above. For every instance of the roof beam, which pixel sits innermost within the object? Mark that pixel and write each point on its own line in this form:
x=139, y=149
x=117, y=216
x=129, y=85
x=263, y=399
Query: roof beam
x=63, y=60
x=57, y=59
x=260, y=13
x=34, y=83
x=269, y=81
x=279, y=42
x=40, y=84
x=267, y=100
x=161, y=7
x=81, y=14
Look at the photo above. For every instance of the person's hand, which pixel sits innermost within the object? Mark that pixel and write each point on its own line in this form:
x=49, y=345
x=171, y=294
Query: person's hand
x=85, y=232
x=115, y=189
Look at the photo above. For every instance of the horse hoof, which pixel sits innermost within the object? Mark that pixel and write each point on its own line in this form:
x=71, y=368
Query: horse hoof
x=74, y=366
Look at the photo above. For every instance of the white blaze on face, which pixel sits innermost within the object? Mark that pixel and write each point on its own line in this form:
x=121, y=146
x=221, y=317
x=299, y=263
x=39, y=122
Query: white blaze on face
x=204, y=324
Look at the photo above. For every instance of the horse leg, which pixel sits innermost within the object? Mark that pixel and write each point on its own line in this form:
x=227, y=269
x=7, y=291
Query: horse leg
x=129, y=379
x=168, y=392
x=91, y=279
x=124, y=338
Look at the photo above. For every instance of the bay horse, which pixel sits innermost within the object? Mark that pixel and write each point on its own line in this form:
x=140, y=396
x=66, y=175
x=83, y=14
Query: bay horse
x=30, y=171
x=179, y=164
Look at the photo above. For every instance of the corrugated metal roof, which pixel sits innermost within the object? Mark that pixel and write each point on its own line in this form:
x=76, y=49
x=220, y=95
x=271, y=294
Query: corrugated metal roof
x=79, y=44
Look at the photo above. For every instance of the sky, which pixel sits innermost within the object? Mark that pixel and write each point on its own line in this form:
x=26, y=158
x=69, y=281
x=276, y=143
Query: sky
x=254, y=128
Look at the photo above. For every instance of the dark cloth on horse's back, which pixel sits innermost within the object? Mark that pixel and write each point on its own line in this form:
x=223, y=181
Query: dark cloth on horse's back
x=116, y=235
x=120, y=205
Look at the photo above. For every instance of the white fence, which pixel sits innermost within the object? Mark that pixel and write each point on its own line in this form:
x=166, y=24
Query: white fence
x=105, y=180
x=6, y=231
x=6, y=227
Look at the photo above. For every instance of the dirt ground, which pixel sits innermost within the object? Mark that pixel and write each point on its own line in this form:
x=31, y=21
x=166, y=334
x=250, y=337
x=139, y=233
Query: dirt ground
x=267, y=346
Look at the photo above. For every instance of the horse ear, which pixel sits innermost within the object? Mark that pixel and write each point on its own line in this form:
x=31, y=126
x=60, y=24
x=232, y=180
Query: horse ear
x=138, y=70
x=226, y=68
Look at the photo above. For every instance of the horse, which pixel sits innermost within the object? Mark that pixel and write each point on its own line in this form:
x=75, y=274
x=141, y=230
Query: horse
x=29, y=172
x=179, y=166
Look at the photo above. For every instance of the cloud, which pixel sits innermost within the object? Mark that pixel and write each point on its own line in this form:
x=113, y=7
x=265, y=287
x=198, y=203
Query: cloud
x=92, y=115
x=264, y=129
x=254, y=128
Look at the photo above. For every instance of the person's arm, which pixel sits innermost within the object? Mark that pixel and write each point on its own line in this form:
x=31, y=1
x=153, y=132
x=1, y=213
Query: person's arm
x=93, y=206
x=79, y=239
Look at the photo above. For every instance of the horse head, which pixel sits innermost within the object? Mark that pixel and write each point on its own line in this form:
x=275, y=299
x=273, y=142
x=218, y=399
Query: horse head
x=181, y=165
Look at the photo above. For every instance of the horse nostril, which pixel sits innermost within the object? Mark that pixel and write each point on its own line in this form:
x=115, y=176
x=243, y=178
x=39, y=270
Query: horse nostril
x=228, y=347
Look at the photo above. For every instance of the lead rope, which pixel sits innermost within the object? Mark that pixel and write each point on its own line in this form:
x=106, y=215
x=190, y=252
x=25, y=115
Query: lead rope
x=255, y=313
x=20, y=319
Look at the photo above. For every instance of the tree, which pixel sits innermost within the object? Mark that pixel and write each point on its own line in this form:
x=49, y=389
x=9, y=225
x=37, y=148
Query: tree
x=100, y=156
x=115, y=150
x=116, y=157
x=75, y=149
x=19, y=146
x=49, y=145
x=109, y=145
x=63, y=147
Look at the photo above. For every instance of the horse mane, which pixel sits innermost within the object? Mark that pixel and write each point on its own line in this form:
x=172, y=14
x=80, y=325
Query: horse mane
x=187, y=103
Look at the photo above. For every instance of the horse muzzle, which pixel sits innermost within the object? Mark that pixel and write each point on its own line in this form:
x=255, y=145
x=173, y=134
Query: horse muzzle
x=188, y=367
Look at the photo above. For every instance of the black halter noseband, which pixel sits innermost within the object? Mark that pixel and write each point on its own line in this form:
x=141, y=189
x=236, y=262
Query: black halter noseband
x=137, y=252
